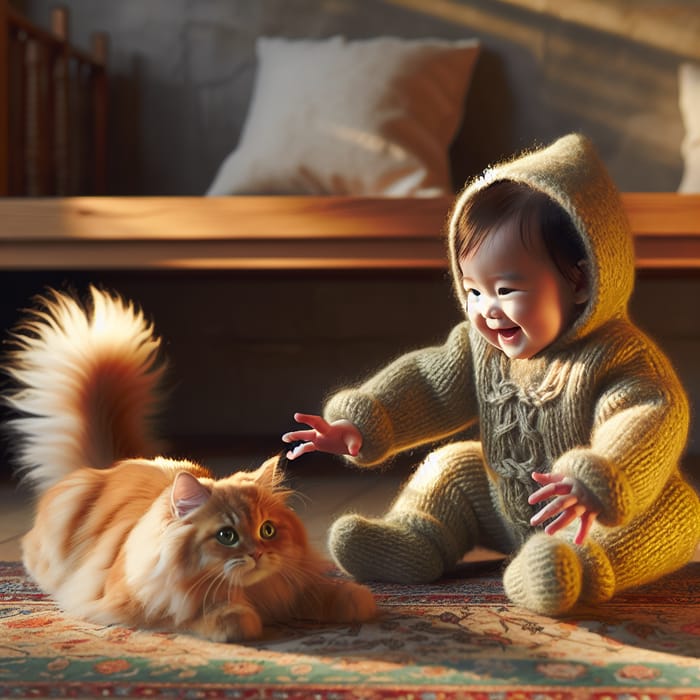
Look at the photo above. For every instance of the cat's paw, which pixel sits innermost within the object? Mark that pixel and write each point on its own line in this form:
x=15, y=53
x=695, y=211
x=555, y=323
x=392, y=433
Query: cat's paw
x=352, y=602
x=230, y=625
x=242, y=626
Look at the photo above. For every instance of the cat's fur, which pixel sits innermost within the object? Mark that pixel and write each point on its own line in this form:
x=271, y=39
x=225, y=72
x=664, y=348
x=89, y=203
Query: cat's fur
x=123, y=537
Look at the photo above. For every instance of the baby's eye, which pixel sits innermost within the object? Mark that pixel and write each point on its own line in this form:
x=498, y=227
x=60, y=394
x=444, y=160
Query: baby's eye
x=267, y=530
x=473, y=292
x=502, y=291
x=228, y=537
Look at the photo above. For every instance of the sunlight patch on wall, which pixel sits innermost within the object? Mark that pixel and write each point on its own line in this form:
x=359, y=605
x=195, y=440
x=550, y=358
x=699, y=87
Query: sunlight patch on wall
x=473, y=17
x=669, y=26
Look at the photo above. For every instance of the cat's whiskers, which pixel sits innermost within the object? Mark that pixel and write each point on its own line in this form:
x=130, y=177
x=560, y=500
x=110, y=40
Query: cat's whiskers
x=199, y=582
x=195, y=585
x=236, y=584
x=292, y=573
x=234, y=570
x=217, y=580
x=294, y=495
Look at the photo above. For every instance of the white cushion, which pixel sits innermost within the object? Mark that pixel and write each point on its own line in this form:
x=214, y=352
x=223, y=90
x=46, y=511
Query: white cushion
x=370, y=117
x=689, y=99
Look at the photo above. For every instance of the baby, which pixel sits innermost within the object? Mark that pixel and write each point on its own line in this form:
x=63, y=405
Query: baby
x=576, y=408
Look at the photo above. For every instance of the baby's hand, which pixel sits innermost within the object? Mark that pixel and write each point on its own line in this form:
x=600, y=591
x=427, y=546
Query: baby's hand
x=340, y=437
x=571, y=500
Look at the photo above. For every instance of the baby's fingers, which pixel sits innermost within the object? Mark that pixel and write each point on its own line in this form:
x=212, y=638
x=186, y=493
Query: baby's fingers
x=297, y=435
x=557, y=506
x=587, y=520
x=301, y=449
x=543, y=478
x=551, y=490
x=567, y=516
x=316, y=422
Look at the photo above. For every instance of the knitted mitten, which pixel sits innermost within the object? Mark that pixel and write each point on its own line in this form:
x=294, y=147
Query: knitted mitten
x=430, y=525
x=550, y=575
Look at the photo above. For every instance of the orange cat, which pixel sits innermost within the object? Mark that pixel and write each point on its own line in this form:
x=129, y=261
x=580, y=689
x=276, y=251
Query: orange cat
x=157, y=543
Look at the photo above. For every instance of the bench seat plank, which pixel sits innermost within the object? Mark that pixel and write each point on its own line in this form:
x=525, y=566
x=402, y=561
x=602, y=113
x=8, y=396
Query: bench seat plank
x=293, y=233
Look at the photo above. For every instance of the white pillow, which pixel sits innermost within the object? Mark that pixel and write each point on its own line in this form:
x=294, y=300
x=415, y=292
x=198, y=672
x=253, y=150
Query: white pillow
x=370, y=117
x=689, y=100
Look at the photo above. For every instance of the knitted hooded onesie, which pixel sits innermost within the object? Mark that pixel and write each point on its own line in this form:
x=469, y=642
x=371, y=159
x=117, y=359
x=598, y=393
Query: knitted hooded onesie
x=601, y=403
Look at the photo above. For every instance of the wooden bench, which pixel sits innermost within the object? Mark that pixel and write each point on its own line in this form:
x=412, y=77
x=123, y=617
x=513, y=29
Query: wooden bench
x=224, y=278
x=285, y=233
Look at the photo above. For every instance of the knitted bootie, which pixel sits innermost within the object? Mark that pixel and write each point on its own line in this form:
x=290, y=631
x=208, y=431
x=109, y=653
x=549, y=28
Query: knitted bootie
x=428, y=528
x=550, y=575
x=546, y=576
x=399, y=550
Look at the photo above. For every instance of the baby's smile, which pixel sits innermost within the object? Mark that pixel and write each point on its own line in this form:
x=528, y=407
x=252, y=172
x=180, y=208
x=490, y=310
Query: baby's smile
x=504, y=332
x=508, y=333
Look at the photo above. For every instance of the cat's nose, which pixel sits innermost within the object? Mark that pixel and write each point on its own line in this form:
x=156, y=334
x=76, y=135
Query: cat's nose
x=256, y=554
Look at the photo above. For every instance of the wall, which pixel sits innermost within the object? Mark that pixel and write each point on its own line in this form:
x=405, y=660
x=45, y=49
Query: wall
x=182, y=73
x=246, y=351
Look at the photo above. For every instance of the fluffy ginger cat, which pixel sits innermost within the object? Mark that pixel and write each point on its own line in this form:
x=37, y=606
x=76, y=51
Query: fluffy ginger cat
x=155, y=543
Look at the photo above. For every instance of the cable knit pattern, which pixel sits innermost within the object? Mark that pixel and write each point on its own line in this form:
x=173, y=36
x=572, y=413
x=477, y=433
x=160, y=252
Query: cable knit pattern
x=515, y=445
x=601, y=404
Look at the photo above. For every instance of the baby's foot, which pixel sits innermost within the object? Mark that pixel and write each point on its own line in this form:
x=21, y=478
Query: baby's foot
x=393, y=550
x=550, y=576
x=545, y=576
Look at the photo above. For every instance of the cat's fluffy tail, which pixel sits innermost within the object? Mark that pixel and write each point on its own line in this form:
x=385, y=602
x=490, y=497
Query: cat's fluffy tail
x=85, y=385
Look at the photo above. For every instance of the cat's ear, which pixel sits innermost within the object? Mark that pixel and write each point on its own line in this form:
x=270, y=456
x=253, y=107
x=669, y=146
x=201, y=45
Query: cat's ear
x=187, y=494
x=270, y=474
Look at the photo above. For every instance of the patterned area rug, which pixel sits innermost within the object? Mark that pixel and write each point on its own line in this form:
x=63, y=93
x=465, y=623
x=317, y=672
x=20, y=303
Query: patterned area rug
x=458, y=638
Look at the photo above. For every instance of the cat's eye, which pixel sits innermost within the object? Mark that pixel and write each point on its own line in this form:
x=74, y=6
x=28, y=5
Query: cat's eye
x=267, y=530
x=227, y=536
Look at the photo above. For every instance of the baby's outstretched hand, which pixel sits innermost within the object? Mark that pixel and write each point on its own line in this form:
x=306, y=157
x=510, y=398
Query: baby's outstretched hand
x=571, y=500
x=340, y=437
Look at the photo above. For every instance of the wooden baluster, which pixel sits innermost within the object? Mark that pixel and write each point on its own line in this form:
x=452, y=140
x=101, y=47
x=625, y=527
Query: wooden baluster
x=98, y=79
x=17, y=107
x=63, y=162
x=4, y=99
x=37, y=149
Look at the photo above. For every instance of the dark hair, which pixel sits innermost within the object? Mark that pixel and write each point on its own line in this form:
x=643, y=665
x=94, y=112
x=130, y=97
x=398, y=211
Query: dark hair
x=530, y=210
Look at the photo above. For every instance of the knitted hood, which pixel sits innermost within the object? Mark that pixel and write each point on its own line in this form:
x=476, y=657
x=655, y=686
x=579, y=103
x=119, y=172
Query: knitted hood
x=571, y=173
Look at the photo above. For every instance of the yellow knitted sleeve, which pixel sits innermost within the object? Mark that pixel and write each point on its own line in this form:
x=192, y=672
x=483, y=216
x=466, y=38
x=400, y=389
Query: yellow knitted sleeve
x=422, y=396
x=640, y=431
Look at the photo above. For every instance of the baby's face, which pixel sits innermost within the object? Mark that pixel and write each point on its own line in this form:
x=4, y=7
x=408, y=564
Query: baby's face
x=516, y=297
